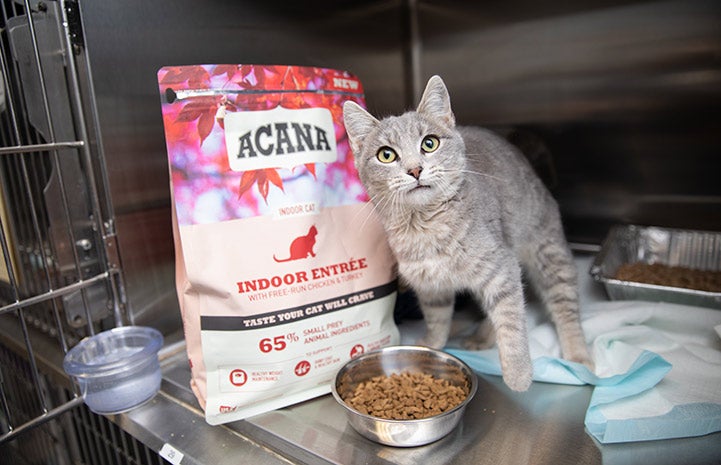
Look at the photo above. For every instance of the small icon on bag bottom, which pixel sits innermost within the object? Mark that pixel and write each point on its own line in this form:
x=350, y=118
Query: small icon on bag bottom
x=356, y=351
x=302, y=368
x=238, y=377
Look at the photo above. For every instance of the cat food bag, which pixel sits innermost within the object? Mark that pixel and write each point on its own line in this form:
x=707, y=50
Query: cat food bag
x=282, y=271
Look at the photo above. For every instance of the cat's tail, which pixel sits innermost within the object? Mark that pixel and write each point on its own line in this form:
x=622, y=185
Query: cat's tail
x=282, y=260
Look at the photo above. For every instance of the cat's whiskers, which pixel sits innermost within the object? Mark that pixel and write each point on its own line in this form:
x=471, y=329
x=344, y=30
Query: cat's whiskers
x=395, y=204
x=366, y=205
x=380, y=204
x=398, y=205
x=439, y=179
x=400, y=183
x=486, y=175
x=446, y=187
x=374, y=206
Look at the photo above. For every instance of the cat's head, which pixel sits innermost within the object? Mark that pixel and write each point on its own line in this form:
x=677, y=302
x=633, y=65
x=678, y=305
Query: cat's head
x=415, y=159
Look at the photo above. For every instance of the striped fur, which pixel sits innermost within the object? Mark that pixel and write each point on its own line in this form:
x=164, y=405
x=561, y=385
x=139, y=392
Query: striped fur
x=468, y=216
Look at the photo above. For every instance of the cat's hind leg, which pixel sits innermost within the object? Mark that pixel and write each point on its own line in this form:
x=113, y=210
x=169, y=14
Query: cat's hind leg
x=437, y=312
x=483, y=338
x=552, y=272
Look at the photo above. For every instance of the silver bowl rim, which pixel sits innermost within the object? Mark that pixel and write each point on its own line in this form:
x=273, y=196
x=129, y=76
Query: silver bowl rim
x=472, y=379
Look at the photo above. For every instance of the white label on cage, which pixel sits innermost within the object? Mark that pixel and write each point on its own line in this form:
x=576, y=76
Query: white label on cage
x=171, y=454
x=279, y=138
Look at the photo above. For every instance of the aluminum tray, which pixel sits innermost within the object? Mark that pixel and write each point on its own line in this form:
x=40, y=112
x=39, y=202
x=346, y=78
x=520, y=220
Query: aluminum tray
x=699, y=250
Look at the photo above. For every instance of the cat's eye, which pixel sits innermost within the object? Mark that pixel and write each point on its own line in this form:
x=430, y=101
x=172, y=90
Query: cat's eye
x=430, y=144
x=386, y=155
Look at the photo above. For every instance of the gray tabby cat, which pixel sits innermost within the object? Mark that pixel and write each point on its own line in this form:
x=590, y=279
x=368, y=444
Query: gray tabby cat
x=463, y=211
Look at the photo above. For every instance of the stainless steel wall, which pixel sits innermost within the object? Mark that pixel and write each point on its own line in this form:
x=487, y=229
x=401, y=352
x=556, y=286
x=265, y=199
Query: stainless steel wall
x=623, y=94
x=129, y=41
x=626, y=96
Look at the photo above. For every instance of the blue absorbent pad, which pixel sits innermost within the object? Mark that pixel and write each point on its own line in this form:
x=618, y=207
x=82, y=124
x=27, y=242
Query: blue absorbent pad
x=657, y=374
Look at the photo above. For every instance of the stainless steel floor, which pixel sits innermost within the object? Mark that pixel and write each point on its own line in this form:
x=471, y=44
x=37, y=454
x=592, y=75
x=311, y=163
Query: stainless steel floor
x=541, y=426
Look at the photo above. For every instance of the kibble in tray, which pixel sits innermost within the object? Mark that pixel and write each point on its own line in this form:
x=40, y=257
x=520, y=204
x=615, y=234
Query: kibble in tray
x=660, y=251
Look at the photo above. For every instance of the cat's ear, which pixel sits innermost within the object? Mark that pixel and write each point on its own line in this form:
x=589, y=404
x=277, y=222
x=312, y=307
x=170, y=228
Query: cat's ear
x=436, y=102
x=358, y=124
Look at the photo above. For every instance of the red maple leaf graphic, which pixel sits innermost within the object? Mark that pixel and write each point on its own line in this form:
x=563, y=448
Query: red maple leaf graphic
x=202, y=109
x=311, y=169
x=262, y=178
x=228, y=70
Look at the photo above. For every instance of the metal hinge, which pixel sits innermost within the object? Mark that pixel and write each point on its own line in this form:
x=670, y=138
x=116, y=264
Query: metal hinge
x=75, y=27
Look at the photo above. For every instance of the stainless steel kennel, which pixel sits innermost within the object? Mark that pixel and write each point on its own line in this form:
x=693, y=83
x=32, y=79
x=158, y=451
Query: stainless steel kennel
x=625, y=96
x=60, y=278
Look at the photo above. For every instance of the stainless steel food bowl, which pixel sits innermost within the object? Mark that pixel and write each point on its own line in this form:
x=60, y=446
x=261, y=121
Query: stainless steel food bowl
x=397, y=359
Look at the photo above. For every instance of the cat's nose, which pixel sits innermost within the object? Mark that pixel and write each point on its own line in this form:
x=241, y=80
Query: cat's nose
x=415, y=172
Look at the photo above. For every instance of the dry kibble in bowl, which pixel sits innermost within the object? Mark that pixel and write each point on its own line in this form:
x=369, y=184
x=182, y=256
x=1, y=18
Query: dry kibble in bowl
x=406, y=396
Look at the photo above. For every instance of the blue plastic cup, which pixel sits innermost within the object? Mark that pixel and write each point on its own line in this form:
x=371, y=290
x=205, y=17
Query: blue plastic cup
x=118, y=369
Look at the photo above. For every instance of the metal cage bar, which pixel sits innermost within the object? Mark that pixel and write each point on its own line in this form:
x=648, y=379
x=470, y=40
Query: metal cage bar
x=56, y=282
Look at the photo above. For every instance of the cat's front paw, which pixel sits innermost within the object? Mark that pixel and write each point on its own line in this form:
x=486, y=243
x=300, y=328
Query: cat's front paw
x=517, y=370
x=518, y=379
